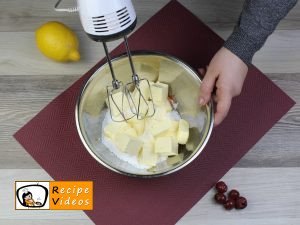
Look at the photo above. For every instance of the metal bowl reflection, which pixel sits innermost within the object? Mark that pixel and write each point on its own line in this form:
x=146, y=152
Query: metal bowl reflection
x=184, y=84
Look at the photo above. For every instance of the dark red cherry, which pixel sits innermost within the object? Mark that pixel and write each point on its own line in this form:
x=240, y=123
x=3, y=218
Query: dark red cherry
x=221, y=187
x=220, y=198
x=233, y=194
x=229, y=204
x=241, y=203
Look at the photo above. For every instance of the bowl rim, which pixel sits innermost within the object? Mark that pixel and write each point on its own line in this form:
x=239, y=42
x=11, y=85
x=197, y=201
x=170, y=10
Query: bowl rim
x=176, y=168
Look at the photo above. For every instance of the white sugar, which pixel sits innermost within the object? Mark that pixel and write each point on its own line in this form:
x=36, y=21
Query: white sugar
x=132, y=160
x=114, y=149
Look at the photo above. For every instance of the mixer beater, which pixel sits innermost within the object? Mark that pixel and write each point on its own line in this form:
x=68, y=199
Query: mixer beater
x=105, y=21
x=134, y=101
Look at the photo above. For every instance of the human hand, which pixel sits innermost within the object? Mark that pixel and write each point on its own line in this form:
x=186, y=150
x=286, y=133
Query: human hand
x=227, y=72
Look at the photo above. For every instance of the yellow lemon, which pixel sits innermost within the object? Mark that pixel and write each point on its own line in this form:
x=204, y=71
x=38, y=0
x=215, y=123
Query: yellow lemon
x=57, y=41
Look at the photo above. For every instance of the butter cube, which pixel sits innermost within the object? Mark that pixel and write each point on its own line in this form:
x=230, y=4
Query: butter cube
x=118, y=102
x=128, y=144
x=164, y=107
x=138, y=125
x=142, y=107
x=129, y=131
x=145, y=89
x=147, y=137
x=147, y=155
x=194, y=139
x=159, y=93
x=167, y=105
x=168, y=133
x=117, y=97
x=143, y=104
x=172, y=131
x=151, y=108
x=166, y=146
x=160, y=113
x=174, y=125
x=156, y=127
x=146, y=109
x=112, y=129
x=183, y=132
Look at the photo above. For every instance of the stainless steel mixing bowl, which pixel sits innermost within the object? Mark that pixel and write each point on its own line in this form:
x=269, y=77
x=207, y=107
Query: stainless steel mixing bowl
x=184, y=85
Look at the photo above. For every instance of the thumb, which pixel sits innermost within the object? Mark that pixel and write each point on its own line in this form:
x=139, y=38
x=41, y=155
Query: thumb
x=207, y=86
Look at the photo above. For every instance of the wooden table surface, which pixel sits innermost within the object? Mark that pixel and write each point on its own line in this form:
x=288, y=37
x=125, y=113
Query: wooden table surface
x=269, y=175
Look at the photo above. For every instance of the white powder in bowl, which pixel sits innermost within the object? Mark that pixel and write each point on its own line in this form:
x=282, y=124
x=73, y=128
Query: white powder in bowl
x=114, y=149
x=132, y=160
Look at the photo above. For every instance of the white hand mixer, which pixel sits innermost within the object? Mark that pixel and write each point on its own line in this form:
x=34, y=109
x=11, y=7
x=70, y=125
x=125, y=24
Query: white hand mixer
x=105, y=21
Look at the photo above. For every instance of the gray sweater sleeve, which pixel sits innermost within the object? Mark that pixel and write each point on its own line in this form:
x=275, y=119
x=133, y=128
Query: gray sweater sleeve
x=257, y=21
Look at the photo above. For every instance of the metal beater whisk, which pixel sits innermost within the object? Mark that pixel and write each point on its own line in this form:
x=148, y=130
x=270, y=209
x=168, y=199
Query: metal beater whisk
x=134, y=100
x=105, y=21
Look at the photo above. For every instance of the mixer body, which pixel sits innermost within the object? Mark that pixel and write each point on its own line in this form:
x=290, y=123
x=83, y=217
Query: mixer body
x=106, y=20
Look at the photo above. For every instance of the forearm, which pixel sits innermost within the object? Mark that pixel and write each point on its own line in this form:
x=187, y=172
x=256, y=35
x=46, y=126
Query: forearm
x=258, y=20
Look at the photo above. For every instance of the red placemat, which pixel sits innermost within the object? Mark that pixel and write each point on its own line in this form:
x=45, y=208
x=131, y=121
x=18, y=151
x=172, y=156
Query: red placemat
x=52, y=140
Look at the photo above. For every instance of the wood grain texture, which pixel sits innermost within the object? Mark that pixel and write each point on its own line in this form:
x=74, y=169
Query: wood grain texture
x=216, y=13
x=29, y=81
x=22, y=97
x=32, y=221
x=19, y=55
x=280, y=54
x=271, y=193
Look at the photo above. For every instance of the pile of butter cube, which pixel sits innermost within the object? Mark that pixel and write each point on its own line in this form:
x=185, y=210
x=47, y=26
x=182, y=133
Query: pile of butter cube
x=153, y=137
